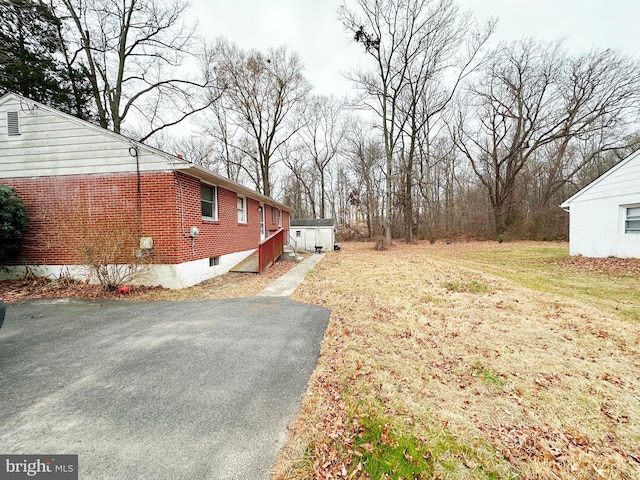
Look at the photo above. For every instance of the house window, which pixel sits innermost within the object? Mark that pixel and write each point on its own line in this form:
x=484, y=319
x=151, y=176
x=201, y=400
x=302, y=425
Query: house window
x=273, y=214
x=209, y=201
x=242, y=210
x=632, y=220
x=279, y=217
x=214, y=261
x=13, y=124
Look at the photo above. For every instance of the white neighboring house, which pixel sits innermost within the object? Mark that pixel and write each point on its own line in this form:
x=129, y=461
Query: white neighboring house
x=605, y=215
x=313, y=234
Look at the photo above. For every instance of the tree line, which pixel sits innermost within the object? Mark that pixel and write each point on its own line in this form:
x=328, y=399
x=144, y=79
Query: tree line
x=446, y=134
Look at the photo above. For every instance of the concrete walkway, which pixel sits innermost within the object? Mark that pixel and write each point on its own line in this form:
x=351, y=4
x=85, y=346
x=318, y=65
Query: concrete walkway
x=287, y=284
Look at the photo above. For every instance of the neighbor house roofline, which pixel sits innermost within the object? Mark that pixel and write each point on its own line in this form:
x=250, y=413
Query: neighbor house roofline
x=178, y=163
x=567, y=203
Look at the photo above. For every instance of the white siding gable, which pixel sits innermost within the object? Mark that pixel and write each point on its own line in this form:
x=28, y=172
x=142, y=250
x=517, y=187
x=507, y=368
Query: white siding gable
x=598, y=213
x=53, y=143
x=622, y=180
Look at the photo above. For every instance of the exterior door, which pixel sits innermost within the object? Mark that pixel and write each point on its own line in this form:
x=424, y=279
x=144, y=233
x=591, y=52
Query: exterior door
x=262, y=228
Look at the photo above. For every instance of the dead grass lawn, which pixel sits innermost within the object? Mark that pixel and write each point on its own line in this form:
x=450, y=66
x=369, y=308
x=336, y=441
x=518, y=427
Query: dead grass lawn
x=489, y=378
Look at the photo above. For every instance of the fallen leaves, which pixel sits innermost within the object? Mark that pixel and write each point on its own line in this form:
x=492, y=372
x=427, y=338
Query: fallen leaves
x=522, y=443
x=609, y=265
x=495, y=370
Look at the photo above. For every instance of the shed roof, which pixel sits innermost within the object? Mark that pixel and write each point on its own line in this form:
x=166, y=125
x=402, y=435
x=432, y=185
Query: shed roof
x=312, y=222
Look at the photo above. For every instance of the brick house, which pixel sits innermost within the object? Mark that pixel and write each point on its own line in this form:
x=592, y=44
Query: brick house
x=91, y=190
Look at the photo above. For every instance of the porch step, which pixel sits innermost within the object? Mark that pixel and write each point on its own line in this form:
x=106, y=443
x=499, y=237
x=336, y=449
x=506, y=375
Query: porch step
x=290, y=256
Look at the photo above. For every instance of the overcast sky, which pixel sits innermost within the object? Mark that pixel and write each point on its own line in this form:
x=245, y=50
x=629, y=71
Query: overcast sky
x=310, y=28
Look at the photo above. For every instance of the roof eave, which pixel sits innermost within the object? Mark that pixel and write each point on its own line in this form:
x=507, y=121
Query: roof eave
x=176, y=163
x=212, y=177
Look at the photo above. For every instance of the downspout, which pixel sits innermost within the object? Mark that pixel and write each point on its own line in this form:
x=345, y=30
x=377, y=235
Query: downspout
x=133, y=151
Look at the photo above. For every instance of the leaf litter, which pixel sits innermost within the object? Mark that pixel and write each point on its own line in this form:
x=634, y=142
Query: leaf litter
x=524, y=384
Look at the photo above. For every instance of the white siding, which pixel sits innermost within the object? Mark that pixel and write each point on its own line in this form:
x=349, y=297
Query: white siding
x=52, y=143
x=597, y=228
x=597, y=213
x=621, y=181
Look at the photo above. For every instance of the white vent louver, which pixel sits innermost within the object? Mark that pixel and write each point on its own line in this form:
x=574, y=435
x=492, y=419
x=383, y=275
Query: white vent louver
x=13, y=123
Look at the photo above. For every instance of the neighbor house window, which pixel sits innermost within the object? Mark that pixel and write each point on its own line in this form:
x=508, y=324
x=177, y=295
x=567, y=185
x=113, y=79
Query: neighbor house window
x=632, y=220
x=279, y=217
x=242, y=210
x=209, y=201
x=13, y=124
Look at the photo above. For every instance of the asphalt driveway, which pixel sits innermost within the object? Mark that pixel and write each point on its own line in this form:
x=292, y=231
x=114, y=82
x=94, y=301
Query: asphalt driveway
x=162, y=390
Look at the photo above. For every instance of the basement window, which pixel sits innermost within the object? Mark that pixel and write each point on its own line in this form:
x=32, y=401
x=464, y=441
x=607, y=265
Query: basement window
x=214, y=261
x=632, y=220
x=13, y=124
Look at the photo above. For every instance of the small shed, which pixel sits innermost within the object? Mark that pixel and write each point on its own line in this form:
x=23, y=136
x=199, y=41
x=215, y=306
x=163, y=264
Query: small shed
x=604, y=217
x=313, y=234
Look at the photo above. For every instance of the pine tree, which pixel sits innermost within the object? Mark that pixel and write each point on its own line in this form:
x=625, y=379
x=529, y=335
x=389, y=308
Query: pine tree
x=34, y=61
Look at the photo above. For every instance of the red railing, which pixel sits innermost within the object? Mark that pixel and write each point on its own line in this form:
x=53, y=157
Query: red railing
x=270, y=249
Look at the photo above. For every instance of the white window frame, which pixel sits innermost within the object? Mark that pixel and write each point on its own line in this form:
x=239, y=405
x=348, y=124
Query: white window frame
x=273, y=214
x=625, y=218
x=242, y=209
x=15, y=122
x=214, y=201
x=280, y=217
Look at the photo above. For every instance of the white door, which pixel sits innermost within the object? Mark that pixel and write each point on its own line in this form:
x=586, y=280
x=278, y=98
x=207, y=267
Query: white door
x=262, y=230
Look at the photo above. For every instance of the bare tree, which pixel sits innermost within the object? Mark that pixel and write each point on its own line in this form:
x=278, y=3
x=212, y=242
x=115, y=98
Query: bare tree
x=132, y=52
x=366, y=160
x=261, y=91
x=321, y=135
x=303, y=180
x=412, y=43
x=534, y=98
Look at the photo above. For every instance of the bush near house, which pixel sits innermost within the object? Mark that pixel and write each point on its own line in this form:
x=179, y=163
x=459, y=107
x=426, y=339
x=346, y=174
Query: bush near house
x=13, y=221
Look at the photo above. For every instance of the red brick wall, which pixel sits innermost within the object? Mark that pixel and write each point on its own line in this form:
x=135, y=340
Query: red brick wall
x=68, y=214
x=225, y=235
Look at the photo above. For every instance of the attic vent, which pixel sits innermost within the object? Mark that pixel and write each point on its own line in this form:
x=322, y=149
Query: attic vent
x=13, y=124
